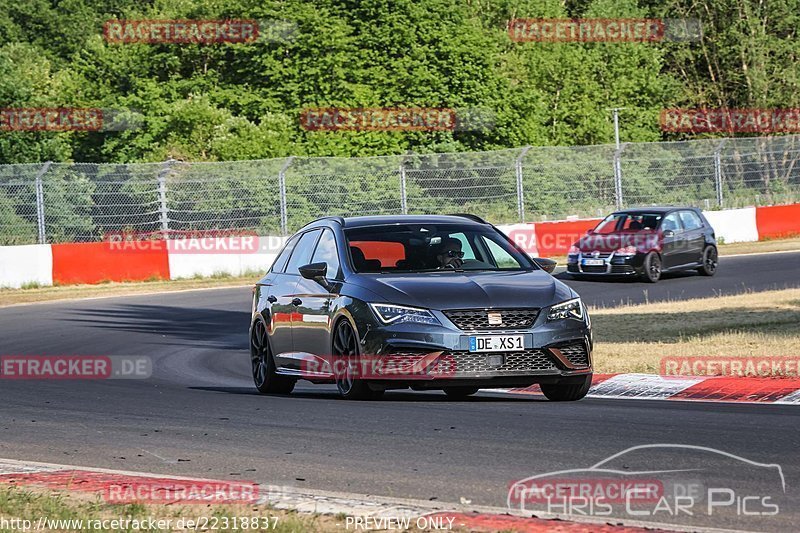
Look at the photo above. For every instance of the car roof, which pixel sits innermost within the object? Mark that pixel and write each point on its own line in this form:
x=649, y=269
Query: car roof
x=659, y=210
x=382, y=220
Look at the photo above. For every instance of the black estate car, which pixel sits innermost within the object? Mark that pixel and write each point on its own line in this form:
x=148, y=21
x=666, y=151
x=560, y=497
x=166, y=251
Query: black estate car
x=646, y=242
x=428, y=302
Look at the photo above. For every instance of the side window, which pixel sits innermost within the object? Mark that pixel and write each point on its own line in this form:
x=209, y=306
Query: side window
x=671, y=222
x=302, y=252
x=326, y=253
x=691, y=220
x=280, y=262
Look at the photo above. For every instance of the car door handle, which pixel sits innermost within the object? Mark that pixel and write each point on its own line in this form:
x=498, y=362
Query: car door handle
x=297, y=301
x=271, y=299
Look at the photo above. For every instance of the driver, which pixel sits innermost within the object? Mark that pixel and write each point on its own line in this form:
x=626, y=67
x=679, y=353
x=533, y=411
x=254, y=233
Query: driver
x=449, y=254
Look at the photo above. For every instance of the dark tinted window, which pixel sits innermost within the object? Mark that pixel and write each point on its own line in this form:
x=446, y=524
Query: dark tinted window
x=671, y=223
x=280, y=262
x=691, y=220
x=428, y=247
x=302, y=251
x=326, y=253
x=628, y=222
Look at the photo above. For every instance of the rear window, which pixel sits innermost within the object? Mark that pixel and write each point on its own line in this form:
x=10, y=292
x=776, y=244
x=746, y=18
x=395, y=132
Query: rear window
x=387, y=253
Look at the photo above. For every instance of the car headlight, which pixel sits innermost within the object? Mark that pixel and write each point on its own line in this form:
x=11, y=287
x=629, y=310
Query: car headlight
x=397, y=314
x=569, y=309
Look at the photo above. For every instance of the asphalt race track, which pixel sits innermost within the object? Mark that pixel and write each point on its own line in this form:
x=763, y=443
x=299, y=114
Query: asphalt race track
x=736, y=275
x=199, y=413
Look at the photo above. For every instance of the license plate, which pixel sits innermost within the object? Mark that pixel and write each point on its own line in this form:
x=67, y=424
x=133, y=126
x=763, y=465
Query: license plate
x=593, y=262
x=496, y=343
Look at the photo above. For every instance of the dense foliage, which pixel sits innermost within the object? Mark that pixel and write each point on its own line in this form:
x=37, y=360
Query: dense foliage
x=242, y=101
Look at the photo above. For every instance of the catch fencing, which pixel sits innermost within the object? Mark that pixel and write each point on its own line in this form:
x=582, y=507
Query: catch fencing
x=80, y=202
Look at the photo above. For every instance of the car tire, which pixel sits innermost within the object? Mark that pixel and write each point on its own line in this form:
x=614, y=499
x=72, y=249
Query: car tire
x=266, y=379
x=345, y=346
x=558, y=392
x=458, y=393
x=651, y=269
x=710, y=258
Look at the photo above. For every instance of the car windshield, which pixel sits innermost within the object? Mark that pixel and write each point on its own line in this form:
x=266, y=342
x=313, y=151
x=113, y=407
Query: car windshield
x=628, y=222
x=431, y=247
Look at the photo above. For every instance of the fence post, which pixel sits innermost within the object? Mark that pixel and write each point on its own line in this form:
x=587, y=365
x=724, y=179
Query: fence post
x=520, y=197
x=40, y=202
x=718, y=171
x=618, y=175
x=282, y=187
x=403, y=197
x=162, y=196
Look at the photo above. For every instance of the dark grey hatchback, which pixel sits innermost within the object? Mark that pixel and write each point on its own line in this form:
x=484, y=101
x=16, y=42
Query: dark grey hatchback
x=427, y=302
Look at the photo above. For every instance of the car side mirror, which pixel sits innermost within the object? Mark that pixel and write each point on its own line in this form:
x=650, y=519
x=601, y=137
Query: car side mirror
x=315, y=272
x=669, y=233
x=548, y=265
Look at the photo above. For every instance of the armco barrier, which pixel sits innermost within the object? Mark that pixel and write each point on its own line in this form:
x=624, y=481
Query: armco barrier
x=27, y=264
x=95, y=262
x=778, y=221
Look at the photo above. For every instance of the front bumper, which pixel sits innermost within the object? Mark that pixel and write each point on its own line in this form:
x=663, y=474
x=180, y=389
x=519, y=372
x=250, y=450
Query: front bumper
x=553, y=350
x=610, y=264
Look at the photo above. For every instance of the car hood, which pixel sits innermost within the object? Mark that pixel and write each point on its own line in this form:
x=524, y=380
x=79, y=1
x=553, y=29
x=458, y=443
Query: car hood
x=609, y=242
x=464, y=290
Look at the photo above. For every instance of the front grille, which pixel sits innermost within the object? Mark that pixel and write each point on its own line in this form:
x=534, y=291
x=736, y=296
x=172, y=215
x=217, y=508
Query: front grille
x=478, y=319
x=531, y=360
x=594, y=269
x=600, y=255
x=576, y=354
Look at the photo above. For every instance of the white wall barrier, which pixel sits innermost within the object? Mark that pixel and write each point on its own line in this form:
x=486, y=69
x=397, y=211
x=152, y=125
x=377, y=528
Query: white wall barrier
x=734, y=225
x=235, y=256
x=27, y=264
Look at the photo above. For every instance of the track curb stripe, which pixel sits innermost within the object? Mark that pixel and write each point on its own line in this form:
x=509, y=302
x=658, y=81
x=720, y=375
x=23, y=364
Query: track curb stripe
x=784, y=391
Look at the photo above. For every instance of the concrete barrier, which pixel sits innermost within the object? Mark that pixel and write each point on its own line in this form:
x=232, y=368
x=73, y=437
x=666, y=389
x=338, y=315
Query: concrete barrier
x=24, y=265
x=734, y=225
x=186, y=258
